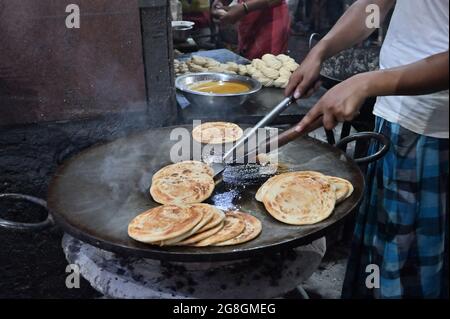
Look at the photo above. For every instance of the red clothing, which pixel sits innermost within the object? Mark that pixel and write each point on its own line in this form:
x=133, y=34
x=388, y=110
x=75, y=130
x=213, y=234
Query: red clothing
x=264, y=31
x=201, y=19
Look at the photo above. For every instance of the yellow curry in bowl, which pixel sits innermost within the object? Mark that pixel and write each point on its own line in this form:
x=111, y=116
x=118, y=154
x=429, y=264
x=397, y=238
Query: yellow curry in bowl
x=220, y=87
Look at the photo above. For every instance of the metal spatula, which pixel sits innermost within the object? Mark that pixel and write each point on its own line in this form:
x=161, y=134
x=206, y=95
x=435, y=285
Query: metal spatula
x=283, y=105
x=282, y=139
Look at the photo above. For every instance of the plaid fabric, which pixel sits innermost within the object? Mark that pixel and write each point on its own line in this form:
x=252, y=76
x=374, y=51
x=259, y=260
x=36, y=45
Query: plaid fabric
x=402, y=225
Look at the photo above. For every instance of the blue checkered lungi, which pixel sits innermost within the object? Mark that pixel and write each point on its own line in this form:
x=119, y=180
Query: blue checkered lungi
x=402, y=225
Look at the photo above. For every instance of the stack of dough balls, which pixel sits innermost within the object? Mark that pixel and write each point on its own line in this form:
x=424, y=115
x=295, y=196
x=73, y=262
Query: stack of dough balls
x=270, y=70
x=304, y=197
x=204, y=64
x=198, y=225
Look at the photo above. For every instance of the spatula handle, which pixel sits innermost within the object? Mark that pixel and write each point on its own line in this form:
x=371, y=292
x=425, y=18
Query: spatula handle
x=291, y=134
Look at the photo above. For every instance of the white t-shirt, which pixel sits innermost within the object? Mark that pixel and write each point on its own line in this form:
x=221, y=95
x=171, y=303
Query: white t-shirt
x=418, y=29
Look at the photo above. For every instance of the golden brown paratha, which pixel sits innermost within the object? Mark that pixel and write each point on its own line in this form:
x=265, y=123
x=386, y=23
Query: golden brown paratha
x=252, y=229
x=163, y=223
x=218, y=217
x=182, y=183
x=233, y=226
x=182, y=190
x=185, y=169
x=217, y=133
x=300, y=200
x=201, y=235
x=262, y=190
x=343, y=188
x=207, y=214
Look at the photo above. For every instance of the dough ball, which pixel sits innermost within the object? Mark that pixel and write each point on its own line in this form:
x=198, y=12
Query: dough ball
x=258, y=63
x=291, y=66
x=271, y=61
x=251, y=69
x=284, y=58
x=209, y=62
x=270, y=73
x=217, y=68
x=281, y=82
x=242, y=70
x=232, y=66
x=196, y=68
x=196, y=59
x=284, y=72
x=266, y=82
x=257, y=74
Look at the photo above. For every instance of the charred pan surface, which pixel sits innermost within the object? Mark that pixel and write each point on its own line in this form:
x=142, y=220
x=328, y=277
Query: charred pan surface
x=95, y=194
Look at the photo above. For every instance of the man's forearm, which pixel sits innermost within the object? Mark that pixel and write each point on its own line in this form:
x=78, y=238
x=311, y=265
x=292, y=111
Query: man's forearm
x=351, y=28
x=423, y=77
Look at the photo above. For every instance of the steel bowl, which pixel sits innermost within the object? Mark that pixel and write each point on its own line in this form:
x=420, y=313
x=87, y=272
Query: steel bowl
x=181, y=30
x=218, y=101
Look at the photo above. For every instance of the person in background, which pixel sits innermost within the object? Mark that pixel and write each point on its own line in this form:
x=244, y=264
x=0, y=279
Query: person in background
x=316, y=15
x=301, y=16
x=198, y=12
x=263, y=25
x=402, y=226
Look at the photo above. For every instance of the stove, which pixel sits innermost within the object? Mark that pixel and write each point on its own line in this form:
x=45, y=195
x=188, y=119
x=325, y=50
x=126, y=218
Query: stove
x=268, y=276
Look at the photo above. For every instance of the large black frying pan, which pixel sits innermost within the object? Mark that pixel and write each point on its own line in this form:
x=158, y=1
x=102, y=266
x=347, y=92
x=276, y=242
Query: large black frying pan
x=96, y=193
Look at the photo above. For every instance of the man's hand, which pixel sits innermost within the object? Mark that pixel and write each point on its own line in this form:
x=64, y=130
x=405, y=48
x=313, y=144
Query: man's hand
x=218, y=10
x=348, y=31
x=223, y=14
x=305, y=80
x=341, y=103
x=233, y=15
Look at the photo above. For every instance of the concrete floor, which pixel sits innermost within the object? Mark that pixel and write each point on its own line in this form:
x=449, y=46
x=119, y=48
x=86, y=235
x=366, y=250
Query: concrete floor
x=326, y=282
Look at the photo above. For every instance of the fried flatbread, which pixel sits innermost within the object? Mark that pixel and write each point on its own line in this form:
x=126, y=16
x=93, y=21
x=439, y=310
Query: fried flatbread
x=233, y=226
x=252, y=229
x=343, y=187
x=207, y=213
x=163, y=223
x=217, y=133
x=182, y=190
x=262, y=190
x=185, y=169
x=218, y=217
x=300, y=200
x=201, y=235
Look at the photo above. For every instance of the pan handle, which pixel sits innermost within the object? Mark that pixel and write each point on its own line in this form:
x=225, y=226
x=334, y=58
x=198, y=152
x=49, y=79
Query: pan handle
x=367, y=135
x=311, y=40
x=27, y=226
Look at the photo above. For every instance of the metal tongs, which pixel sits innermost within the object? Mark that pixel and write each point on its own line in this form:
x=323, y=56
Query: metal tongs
x=281, y=140
x=283, y=105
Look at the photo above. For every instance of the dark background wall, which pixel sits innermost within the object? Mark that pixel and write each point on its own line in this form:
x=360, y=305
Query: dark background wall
x=61, y=91
x=32, y=265
x=49, y=72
